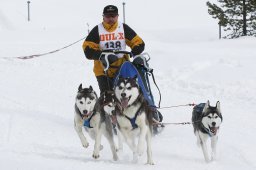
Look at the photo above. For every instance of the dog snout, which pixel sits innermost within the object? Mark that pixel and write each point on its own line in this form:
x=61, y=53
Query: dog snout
x=123, y=94
x=213, y=124
x=85, y=112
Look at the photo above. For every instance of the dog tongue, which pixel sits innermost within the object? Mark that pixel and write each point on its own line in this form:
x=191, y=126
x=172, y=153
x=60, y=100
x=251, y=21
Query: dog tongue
x=86, y=116
x=124, y=102
x=214, y=130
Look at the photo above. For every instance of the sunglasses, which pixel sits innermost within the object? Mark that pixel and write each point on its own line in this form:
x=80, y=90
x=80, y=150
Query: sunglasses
x=110, y=15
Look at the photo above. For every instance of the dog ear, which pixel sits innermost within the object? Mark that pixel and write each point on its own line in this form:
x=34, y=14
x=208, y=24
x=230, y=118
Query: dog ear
x=121, y=78
x=135, y=81
x=207, y=105
x=80, y=87
x=218, y=106
x=135, y=78
x=90, y=88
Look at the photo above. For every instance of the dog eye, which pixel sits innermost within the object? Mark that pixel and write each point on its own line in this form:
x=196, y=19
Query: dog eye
x=209, y=117
x=120, y=88
x=89, y=102
x=129, y=88
x=81, y=102
x=216, y=117
x=110, y=105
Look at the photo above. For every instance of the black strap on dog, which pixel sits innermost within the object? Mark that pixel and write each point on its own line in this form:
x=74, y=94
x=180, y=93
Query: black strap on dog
x=133, y=120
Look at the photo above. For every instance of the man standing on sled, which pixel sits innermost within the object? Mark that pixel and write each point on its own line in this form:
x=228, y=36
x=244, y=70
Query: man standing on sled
x=112, y=35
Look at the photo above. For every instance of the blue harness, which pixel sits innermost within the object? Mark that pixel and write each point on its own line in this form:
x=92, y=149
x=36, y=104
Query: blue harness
x=87, y=121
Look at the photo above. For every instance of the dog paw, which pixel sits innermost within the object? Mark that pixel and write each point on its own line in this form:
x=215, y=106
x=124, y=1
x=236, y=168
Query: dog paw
x=115, y=157
x=207, y=160
x=135, y=158
x=85, y=144
x=95, y=156
x=150, y=162
x=213, y=158
x=140, y=151
x=120, y=150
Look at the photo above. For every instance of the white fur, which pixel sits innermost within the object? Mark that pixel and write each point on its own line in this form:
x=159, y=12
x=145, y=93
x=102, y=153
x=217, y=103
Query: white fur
x=83, y=104
x=142, y=132
x=203, y=137
x=129, y=91
x=109, y=110
x=98, y=129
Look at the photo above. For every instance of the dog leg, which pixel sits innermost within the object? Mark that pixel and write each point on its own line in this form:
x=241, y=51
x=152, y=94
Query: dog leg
x=129, y=139
x=142, y=137
x=78, y=125
x=203, y=139
x=131, y=144
x=149, y=149
x=214, y=141
x=97, y=143
x=135, y=158
x=198, y=140
x=120, y=140
x=112, y=145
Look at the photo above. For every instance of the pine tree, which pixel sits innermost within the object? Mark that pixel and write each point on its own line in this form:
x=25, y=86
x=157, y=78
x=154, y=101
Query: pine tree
x=237, y=16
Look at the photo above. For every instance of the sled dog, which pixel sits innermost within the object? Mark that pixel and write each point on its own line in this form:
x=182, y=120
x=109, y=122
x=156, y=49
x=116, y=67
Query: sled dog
x=105, y=108
x=206, y=122
x=134, y=117
x=90, y=114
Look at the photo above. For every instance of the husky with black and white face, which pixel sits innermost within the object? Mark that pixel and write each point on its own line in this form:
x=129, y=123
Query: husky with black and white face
x=92, y=113
x=85, y=101
x=134, y=117
x=206, y=125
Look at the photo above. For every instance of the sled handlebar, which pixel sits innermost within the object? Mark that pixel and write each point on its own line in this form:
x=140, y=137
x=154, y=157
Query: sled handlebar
x=118, y=52
x=146, y=55
x=143, y=55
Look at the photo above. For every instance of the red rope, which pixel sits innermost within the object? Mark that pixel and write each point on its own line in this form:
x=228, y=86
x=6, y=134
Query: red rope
x=54, y=51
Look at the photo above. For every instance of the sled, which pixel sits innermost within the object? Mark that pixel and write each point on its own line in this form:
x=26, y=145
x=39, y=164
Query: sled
x=142, y=72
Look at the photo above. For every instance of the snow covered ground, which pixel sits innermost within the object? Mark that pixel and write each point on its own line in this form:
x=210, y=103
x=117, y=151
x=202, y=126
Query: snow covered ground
x=190, y=65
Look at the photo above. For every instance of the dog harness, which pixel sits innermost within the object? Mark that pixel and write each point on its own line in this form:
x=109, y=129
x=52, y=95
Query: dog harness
x=205, y=130
x=87, y=121
x=133, y=120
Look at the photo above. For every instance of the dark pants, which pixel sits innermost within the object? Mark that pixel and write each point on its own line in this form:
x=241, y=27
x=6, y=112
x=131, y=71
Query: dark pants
x=105, y=83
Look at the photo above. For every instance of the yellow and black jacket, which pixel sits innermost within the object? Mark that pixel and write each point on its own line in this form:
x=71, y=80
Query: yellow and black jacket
x=92, y=50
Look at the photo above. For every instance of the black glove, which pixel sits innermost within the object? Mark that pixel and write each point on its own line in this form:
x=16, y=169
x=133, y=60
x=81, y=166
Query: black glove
x=139, y=60
x=107, y=59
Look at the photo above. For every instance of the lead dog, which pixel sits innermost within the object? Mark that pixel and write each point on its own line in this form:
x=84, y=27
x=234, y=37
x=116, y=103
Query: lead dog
x=90, y=114
x=206, y=122
x=134, y=117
